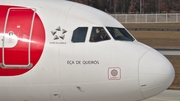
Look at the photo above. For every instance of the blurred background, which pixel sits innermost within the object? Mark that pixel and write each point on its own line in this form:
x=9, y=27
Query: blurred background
x=134, y=6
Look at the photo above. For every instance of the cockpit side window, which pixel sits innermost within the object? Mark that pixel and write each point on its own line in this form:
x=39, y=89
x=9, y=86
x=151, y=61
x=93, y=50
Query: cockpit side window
x=120, y=34
x=98, y=34
x=79, y=34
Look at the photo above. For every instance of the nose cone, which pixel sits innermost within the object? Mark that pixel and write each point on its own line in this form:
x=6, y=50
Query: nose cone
x=156, y=73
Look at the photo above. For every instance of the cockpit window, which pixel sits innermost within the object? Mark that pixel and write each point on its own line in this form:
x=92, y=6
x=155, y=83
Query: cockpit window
x=79, y=34
x=120, y=34
x=99, y=34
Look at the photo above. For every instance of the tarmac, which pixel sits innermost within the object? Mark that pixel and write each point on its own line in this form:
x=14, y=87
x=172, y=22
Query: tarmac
x=169, y=52
x=167, y=95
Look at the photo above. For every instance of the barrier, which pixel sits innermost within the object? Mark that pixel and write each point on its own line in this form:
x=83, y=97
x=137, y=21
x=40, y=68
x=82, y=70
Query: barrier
x=148, y=18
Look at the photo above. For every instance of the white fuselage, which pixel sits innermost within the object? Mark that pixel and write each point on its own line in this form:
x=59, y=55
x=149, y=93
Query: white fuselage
x=111, y=70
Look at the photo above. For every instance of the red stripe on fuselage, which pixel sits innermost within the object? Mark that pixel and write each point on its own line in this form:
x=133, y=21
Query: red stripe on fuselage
x=19, y=22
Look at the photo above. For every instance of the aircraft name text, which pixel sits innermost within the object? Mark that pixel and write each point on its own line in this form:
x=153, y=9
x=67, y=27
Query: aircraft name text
x=83, y=62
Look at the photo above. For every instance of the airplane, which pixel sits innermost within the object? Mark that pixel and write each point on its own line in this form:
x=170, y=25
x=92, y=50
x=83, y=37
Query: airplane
x=58, y=50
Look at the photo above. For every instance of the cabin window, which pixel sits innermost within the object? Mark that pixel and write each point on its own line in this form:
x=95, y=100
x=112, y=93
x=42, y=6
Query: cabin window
x=120, y=34
x=99, y=34
x=79, y=34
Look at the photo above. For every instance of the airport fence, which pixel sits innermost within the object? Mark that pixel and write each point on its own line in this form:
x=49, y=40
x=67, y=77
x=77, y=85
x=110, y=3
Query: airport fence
x=148, y=18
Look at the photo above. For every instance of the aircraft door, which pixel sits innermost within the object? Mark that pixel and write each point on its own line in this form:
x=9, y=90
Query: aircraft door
x=16, y=39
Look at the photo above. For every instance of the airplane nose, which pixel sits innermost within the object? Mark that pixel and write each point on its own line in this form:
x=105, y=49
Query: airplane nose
x=156, y=73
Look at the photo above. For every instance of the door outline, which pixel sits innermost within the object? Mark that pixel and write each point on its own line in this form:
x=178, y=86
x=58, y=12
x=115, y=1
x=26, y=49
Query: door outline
x=29, y=65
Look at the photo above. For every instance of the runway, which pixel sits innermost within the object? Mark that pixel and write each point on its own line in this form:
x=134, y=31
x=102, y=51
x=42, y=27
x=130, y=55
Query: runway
x=167, y=95
x=169, y=52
